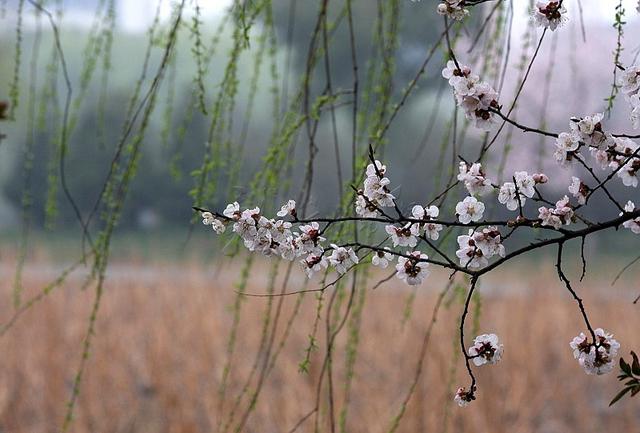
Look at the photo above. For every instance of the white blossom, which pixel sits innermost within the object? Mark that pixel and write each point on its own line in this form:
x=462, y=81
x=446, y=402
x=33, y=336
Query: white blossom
x=489, y=242
x=525, y=183
x=634, y=224
x=630, y=87
x=289, y=208
x=579, y=190
x=420, y=212
x=381, y=259
x=364, y=208
x=525, y=187
x=596, y=357
x=314, y=263
x=376, y=193
x=508, y=197
x=431, y=230
x=478, y=99
x=476, y=248
x=628, y=173
x=566, y=146
x=478, y=107
x=635, y=110
x=309, y=238
x=260, y=242
x=474, y=178
x=342, y=258
x=374, y=185
x=470, y=209
x=589, y=130
x=280, y=230
x=561, y=214
x=454, y=9
x=218, y=226
x=549, y=14
x=452, y=73
x=232, y=211
x=463, y=398
x=464, y=86
x=486, y=349
x=469, y=254
x=630, y=81
x=373, y=170
x=601, y=157
x=621, y=154
x=207, y=218
x=245, y=225
x=287, y=249
x=567, y=141
x=629, y=207
x=402, y=236
x=412, y=270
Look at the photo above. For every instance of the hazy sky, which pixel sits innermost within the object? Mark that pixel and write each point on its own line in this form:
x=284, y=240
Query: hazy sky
x=137, y=15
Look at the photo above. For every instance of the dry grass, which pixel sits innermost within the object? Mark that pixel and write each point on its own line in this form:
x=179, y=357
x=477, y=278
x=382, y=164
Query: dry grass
x=160, y=350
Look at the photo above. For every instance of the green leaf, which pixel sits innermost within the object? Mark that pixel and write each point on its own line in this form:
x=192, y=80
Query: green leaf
x=619, y=396
x=636, y=364
x=625, y=367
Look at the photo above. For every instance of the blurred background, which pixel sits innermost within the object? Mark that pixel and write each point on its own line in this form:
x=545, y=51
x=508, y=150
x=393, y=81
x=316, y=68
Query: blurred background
x=175, y=349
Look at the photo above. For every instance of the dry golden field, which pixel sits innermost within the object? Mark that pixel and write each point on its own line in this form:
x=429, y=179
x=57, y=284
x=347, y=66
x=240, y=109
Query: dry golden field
x=160, y=348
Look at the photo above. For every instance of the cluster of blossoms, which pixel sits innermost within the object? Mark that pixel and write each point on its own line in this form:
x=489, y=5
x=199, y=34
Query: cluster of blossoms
x=275, y=237
x=630, y=87
x=579, y=190
x=614, y=153
x=477, y=98
x=209, y=220
x=407, y=235
x=376, y=193
x=596, y=357
x=413, y=270
x=477, y=247
x=454, y=9
x=514, y=194
x=549, y=14
x=474, y=179
x=556, y=217
x=587, y=131
x=427, y=214
x=278, y=237
x=634, y=224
